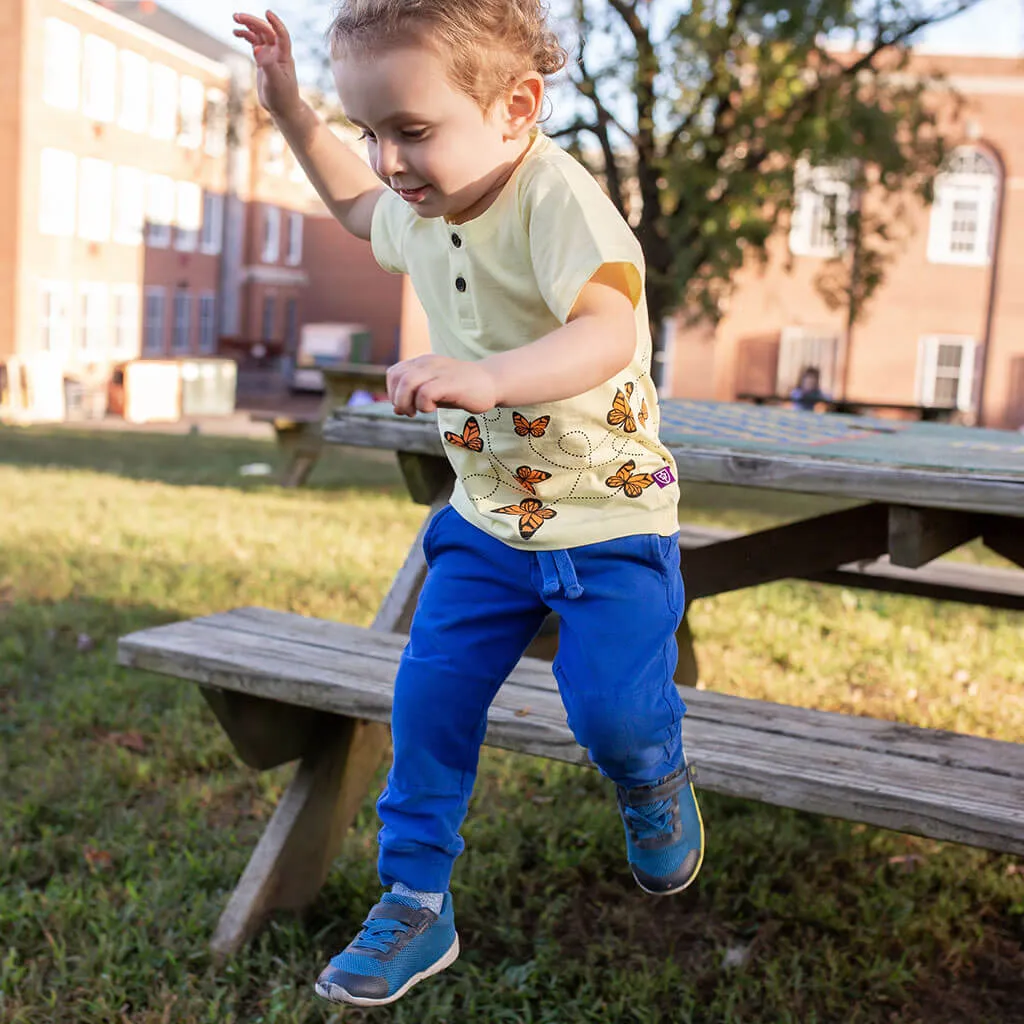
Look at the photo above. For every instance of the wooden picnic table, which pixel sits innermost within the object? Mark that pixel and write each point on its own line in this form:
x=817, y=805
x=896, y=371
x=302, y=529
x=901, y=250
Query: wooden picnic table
x=861, y=407
x=288, y=687
x=925, y=488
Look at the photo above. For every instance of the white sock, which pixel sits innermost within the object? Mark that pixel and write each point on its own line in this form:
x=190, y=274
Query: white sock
x=431, y=900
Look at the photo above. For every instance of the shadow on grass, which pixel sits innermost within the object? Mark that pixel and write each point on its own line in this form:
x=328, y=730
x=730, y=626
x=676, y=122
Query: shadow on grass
x=187, y=459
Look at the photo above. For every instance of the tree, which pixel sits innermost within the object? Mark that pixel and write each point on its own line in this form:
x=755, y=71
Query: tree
x=697, y=116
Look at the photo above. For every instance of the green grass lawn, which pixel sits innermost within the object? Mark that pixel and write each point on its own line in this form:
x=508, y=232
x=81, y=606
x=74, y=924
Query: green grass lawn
x=125, y=819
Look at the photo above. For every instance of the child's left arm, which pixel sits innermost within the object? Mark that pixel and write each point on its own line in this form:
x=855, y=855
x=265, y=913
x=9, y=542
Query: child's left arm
x=596, y=342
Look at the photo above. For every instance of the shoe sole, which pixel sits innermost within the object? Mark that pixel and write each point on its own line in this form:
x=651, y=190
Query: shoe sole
x=696, y=870
x=337, y=994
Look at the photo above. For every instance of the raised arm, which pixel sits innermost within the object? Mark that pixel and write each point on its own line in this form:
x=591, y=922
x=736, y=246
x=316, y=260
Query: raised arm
x=347, y=186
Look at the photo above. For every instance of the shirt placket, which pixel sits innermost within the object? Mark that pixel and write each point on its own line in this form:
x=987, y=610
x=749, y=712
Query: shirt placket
x=458, y=263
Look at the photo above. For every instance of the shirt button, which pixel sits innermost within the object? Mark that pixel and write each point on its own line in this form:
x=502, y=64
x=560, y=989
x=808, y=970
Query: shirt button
x=460, y=284
x=456, y=241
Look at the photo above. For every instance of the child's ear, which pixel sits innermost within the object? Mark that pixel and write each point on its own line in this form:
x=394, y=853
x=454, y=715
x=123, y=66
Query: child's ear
x=522, y=105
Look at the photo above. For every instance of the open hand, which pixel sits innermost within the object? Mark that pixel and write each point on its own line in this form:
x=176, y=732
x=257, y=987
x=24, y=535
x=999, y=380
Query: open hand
x=433, y=382
x=276, y=81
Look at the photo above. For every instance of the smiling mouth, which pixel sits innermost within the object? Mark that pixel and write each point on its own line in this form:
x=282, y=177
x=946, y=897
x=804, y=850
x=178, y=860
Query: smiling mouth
x=413, y=195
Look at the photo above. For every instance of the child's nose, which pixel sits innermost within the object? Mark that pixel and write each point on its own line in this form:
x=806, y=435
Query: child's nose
x=389, y=161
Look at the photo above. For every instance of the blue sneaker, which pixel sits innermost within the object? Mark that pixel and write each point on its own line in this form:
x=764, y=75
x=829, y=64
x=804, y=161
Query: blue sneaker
x=664, y=832
x=400, y=944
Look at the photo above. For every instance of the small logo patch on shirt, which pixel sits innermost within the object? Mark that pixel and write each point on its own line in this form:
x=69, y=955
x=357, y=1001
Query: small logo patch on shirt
x=664, y=476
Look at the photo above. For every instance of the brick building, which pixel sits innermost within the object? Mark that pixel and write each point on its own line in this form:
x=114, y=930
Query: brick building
x=148, y=208
x=947, y=325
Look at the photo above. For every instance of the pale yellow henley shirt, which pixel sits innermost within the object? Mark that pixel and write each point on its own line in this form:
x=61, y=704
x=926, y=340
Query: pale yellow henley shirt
x=561, y=474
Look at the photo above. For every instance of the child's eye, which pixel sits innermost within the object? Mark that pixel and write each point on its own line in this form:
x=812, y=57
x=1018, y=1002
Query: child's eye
x=366, y=134
x=414, y=134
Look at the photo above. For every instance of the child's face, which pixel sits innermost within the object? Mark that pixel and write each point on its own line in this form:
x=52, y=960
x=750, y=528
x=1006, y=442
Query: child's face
x=427, y=140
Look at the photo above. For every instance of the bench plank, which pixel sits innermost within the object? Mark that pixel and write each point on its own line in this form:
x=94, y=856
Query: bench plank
x=939, y=784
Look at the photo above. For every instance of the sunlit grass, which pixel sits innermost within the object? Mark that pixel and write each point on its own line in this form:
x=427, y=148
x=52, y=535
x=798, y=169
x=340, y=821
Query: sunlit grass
x=125, y=819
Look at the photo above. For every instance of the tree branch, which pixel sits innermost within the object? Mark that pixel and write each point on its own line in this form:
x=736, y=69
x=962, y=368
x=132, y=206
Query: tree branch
x=735, y=13
x=588, y=88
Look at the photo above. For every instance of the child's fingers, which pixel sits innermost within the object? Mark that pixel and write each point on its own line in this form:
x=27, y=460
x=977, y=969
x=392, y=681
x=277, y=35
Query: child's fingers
x=264, y=34
x=249, y=37
x=280, y=30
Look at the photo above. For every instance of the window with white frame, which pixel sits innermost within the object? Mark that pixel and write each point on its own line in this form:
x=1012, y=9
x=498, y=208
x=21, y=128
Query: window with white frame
x=61, y=64
x=821, y=211
x=213, y=223
x=55, y=317
x=293, y=255
x=92, y=319
x=188, y=215
x=133, y=114
x=95, y=199
x=802, y=348
x=963, y=214
x=153, y=322
x=181, y=341
x=215, y=129
x=124, y=300
x=160, y=202
x=99, y=78
x=163, y=122
x=207, y=323
x=271, y=234
x=129, y=205
x=193, y=99
x=945, y=370
x=57, y=190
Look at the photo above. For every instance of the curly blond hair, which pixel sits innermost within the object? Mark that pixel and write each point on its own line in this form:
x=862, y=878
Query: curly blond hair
x=486, y=43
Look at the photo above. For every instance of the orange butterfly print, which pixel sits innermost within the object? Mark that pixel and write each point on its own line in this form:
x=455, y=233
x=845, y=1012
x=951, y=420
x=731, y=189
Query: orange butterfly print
x=470, y=437
x=535, y=428
x=632, y=484
x=642, y=415
x=528, y=477
x=620, y=414
x=531, y=512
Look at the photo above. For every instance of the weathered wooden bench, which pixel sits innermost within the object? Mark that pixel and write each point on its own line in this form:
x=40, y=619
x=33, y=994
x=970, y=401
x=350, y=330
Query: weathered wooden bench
x=285, y=688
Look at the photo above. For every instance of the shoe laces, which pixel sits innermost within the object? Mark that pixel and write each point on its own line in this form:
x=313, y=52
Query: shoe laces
x=380, y=934
x=651, y=820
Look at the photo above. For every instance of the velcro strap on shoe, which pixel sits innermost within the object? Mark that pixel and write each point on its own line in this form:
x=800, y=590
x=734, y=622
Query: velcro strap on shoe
x=643, y=795
x=411, y=916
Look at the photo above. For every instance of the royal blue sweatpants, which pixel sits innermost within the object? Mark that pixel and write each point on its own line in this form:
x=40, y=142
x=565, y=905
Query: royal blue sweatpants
x=620, y=603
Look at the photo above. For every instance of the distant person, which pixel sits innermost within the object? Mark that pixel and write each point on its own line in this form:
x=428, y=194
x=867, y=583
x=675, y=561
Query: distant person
x=808, y=394
x=565, y=498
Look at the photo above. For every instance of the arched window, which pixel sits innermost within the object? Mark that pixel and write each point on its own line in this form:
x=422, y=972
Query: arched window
x=963, y=214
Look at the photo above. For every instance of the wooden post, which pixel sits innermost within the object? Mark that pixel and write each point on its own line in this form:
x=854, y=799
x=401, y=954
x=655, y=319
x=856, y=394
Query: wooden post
x=295, y=852
x=687, y=672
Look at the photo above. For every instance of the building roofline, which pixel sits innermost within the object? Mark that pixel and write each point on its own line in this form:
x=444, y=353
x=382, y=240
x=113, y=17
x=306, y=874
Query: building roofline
x=124, y=24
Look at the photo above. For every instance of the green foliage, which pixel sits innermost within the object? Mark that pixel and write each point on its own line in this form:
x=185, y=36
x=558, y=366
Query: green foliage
x=702, y=111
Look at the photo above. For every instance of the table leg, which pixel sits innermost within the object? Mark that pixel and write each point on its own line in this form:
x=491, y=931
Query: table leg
x=301, y=445
x=301, y=840
x=686, y=673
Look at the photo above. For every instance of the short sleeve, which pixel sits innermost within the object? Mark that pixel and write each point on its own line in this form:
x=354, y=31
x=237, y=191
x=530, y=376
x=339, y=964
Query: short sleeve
x=574, y=229
x=388, y=227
